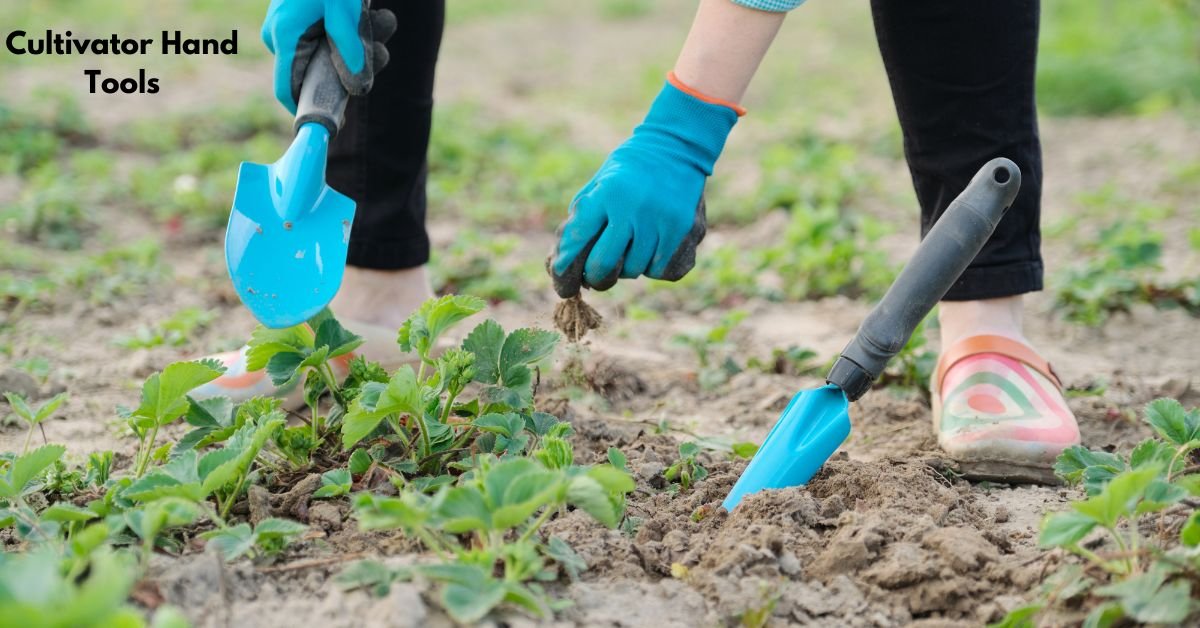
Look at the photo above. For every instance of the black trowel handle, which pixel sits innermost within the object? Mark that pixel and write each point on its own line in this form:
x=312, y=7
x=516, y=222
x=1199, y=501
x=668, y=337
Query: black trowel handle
x=947, y=249
x=322, y=96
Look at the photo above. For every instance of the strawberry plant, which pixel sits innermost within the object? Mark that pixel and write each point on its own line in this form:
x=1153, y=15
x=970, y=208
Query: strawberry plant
x=269, y=537
x=32, y=417
x=500, y=506
x=1137, y=533
x=687, y=470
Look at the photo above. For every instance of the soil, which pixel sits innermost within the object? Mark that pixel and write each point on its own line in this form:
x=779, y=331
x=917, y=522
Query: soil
x=885, y=535
x=575, y=318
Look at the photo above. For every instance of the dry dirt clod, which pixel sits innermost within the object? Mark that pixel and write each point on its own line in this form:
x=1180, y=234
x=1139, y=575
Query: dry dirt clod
x=575, y=319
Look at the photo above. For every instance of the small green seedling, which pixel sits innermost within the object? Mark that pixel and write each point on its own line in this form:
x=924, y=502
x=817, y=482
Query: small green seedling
x=33, y=417
x=268, y=538
x=164, y=400
x=687, y=470
x=712, y=348
x=334, y=483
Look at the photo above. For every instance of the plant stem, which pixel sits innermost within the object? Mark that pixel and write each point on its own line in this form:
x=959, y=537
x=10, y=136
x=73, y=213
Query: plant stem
x=28, y=438
x=149, y=448
x=536, y=524
x=312, y=409
x=431, y=542
x=233, y=496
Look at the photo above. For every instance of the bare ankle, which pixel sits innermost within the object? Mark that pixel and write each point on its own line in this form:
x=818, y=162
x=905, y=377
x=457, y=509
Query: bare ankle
x=961, y=319
x=381, y=297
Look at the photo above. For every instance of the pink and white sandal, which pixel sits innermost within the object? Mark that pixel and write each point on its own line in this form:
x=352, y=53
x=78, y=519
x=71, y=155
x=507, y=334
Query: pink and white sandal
x=999, y=410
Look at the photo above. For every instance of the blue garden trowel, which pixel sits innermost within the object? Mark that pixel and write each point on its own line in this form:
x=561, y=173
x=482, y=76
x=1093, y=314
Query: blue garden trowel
x=817, y=421
x=288, y=232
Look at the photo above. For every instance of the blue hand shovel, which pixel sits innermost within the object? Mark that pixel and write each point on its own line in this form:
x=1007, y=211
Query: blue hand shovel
x=288, y=233
x=817, y=421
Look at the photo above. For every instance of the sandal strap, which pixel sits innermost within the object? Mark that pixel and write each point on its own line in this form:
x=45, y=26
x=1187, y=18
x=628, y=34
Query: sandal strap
x=977, y=345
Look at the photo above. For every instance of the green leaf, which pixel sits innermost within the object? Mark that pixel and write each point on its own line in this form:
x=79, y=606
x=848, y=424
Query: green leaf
x=617, y=459
x=401, y=395
x=565, y=556
x=1118, y=498
x=1149, y=452
x=331, y=334
x=433, y=318
x=464, y=509
x=167, y=616
x=284, y=367
x=366, y=573
x=1159, y=495
x=507, y=425
x=407, y=512
x=589, y=496
x=360, y=461
x=745, y=450
x=1147, y=599
x=469, y=604
x=486, y=342
x=1074, y=460
x=275, y=530
x=46, y=409
x=688, y=449
x=233, y=542
x=27, y=468
x=334, y=483
x=1021, y=617
x=266, y=343
x=164, y=394
x=613, y=480
x=18, y=404
x=66, y=511
x=555, y=453
x=1190, y=534
x=1065, y=529
x=523, y=496
x=524, y=347
x=1104, y=616
x=1172, y=422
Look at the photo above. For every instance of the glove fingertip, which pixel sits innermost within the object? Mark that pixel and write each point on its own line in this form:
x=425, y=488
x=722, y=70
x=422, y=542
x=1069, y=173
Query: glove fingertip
x=380, y=56
x=383, y=24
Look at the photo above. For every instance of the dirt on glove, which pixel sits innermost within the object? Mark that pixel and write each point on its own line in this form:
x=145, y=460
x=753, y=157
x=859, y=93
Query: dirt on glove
x=575, y=319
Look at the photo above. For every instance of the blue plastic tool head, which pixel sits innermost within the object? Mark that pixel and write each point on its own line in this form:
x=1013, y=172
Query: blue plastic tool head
x=812, y=427
x=288, y=233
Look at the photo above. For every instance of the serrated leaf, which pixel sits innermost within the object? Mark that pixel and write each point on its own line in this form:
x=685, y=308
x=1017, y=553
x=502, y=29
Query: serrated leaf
x=507, y=425
x=212, y=412
x=1146, y=598
x=1065, y=529
x=277, y=527
x=164, y=394
x=463, y=509
x=46, y=409
x=334, y=482
x=340, y=341
x=402, y=394
x=565, y=556
x=284, y=367
x=364, y=574
x=1151, y=451
x=469, y=604
x=27, y=468
x=589, y=496
x=1118, y=498
x=266, y=343
x=19, y=405
x=1159, y=495
x=524, y=347
x=523, y=496
x=375, y=512
x=233, y=542
x=360, y=461
x=613, y=480
x=1172, y=422
x=486, y=341
x=1074, y=460
x=66, y=511
x=433, y=318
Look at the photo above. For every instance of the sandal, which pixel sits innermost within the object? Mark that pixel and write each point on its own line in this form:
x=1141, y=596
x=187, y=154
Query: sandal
x=998, y=409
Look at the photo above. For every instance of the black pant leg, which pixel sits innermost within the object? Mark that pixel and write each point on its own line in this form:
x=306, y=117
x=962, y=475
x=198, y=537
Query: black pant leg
x=962, y=78
x=379, y=157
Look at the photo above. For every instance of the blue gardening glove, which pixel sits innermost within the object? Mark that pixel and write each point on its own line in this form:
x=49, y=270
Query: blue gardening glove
x=293, y=29
x=643, y=211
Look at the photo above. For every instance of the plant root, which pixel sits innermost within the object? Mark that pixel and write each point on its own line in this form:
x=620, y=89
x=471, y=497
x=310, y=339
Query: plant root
x=575, y=319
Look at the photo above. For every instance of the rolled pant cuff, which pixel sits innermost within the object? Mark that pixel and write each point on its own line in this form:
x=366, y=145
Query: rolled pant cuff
x=385, y=255
x=996, y=282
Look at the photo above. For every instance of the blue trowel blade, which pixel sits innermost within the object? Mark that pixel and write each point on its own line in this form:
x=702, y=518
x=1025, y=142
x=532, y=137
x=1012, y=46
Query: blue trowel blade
x=285, y=271
x=812, y=427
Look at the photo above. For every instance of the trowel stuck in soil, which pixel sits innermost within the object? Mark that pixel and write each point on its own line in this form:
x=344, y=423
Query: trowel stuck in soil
x=575, y=319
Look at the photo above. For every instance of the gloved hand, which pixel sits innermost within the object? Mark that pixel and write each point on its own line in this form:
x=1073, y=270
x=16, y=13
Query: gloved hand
x=293, y=29
x=643, y=211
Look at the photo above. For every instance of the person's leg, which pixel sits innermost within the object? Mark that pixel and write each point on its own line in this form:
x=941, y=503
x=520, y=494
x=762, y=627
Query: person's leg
x=379, y=160
x=962, y=78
